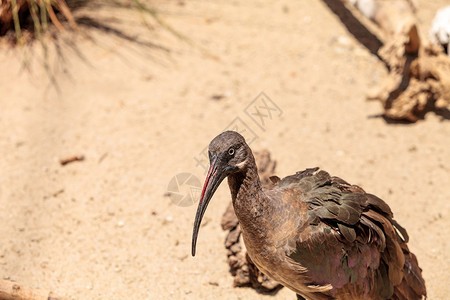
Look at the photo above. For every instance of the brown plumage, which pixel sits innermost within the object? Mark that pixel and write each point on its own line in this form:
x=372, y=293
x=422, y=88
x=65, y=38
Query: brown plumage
x=315, y=234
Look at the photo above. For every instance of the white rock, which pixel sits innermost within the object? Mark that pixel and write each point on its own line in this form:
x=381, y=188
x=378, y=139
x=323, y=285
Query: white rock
x=367, y=7
x=440, y=31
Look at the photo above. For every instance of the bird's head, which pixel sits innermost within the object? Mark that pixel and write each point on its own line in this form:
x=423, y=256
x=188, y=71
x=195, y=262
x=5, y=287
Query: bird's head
x=228, y=154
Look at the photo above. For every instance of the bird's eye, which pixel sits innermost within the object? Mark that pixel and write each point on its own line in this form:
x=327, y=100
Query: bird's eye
x=231, y=151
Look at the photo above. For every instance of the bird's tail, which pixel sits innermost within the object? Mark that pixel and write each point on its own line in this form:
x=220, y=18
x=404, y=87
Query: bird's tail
x=412, y=285
x=403, y=272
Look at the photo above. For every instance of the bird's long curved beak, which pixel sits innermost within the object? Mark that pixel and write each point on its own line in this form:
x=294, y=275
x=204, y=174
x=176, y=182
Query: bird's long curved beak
x=212, y=182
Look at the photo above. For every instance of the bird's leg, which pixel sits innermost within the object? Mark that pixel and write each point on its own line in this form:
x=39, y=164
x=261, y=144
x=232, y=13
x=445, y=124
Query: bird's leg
x=300, y=297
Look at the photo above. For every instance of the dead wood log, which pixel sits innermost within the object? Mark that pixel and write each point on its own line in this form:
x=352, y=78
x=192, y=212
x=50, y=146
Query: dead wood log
x=243, y=270
x=419, y=72
x=10, y=290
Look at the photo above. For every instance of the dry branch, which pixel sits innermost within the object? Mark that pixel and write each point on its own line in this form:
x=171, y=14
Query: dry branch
x=419, y=72
x=10, y=290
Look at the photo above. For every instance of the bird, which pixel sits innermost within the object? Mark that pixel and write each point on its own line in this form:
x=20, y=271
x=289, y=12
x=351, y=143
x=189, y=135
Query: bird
x=315, y=234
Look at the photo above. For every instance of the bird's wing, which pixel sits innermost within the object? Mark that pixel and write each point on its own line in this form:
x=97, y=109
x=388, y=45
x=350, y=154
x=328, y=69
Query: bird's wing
x=349, y=238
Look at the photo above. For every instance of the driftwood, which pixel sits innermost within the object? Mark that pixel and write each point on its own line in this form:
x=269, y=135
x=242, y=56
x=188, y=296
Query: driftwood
x=10, y=290
x=419, y=72
x=243, y=270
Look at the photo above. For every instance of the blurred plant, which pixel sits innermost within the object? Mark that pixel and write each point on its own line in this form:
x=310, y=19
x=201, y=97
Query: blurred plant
x=34, y=16
x=145, y=10
x=37, y=13
x=22, y=21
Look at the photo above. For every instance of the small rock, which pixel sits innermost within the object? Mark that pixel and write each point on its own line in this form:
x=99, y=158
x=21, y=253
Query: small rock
x=183, y=257
x=413, y=148
x=440, y=31
x=167, y=220
x=344, y=41
x=217, y=97
x=205, y=222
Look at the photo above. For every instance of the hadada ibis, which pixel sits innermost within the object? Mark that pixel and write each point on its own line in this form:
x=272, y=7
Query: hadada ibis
x=316, y=234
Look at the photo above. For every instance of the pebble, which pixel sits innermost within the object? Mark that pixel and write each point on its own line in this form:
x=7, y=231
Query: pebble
x=344, y=41
x=168, y=219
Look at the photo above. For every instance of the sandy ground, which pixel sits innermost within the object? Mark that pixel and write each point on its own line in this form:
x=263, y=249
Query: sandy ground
x=140, y=108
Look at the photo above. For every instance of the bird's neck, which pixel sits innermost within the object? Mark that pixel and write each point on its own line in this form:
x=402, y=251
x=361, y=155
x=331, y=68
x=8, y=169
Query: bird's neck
x=248, y=198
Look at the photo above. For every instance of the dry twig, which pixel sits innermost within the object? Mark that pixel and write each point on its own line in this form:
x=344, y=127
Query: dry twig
x=71, y=159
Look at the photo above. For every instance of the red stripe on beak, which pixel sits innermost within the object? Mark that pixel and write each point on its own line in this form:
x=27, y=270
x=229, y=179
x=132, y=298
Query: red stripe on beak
x=208, y=177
